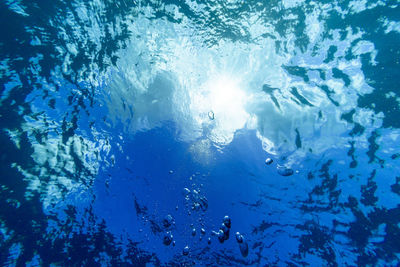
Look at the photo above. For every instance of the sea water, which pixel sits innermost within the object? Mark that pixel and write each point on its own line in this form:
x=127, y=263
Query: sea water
x=194, y=133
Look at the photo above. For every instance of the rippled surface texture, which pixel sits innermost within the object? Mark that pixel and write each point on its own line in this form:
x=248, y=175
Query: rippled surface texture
x=130, y=128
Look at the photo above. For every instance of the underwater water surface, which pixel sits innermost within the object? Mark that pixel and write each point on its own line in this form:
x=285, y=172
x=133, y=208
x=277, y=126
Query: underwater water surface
x=199, y=133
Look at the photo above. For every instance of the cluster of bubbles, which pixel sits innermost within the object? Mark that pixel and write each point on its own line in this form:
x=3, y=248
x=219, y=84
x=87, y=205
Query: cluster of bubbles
x=223, y=235
x=168, y=239
x=282, y=170
x=195, y=200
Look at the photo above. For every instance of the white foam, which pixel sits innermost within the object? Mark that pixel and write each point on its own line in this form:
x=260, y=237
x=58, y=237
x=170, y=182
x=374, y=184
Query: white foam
x=55, y=163
x=292, y=3
x=165, y=74
x=391, y=26
x=172, y=72
x=17, y=7
x=314, y=27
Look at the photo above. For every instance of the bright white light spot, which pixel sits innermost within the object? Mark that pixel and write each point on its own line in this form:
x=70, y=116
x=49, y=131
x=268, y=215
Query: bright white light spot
x=224, y=98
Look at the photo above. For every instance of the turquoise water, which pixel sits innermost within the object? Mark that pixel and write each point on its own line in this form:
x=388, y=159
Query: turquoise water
x=116, y=114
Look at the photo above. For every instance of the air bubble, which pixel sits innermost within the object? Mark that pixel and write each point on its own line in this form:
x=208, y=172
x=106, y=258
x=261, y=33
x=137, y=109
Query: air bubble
x=167, y=239
x=239, y=237
x=168, y=221
x=227, y=221
x=186, y=191
x=284, y=171
x=269, y=161
x=211, y=115
x=185, y=251
x=221, y=236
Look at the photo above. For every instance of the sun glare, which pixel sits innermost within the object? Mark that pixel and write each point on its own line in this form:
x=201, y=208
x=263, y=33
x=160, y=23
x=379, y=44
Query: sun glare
x=225, y=96
x=227, y=103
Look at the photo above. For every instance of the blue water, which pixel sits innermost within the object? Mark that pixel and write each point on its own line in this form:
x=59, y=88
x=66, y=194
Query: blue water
x=131, y=129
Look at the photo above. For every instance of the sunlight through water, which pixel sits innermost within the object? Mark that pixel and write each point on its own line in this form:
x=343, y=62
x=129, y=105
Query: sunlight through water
x=199, y=133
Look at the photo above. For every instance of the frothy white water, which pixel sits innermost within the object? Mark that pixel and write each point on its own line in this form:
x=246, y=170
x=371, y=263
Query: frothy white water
x=168, y=73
